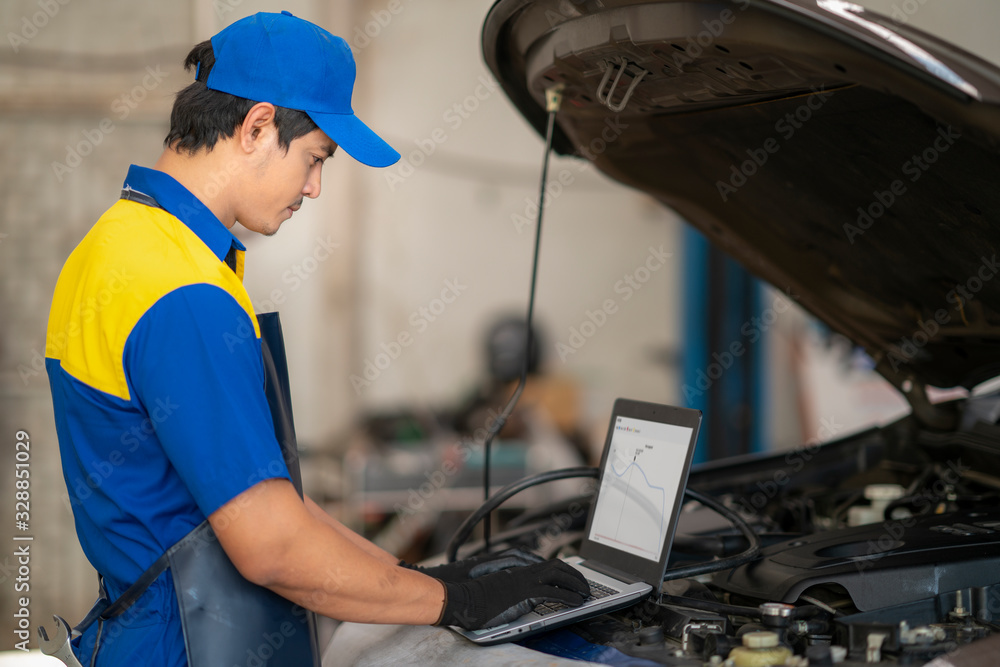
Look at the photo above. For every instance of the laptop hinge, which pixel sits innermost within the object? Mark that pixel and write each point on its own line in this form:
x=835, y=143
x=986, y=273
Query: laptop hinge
x=611, y=572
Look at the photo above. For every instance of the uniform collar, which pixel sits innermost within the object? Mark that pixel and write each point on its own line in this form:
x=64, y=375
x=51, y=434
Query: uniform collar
x=177, y=200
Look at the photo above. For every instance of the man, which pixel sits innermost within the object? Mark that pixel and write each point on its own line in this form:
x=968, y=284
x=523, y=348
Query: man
x=154, y=360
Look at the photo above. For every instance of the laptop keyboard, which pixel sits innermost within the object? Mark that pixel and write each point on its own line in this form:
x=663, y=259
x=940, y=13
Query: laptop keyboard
x=597, y=591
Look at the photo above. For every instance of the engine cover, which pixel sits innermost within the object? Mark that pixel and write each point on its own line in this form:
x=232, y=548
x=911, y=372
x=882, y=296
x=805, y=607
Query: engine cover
x=881, y=564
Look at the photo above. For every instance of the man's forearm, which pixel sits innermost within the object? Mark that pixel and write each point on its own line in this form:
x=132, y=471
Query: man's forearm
x=276, y=541
x=354, y=586
x=365, y=545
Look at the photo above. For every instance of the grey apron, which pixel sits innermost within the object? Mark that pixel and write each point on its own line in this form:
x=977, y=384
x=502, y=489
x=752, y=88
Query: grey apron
x=226, y=619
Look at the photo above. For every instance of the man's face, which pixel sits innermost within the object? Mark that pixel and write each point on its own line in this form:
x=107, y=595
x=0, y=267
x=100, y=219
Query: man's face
x=280, y=181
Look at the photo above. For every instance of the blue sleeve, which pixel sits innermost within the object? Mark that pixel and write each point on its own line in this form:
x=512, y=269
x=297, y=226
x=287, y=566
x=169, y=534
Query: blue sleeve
x=193, y=363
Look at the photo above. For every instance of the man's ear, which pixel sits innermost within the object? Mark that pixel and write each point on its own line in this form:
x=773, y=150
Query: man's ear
x=258, y=127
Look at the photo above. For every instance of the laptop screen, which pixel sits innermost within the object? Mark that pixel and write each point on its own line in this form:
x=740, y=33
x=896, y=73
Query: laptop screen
x=644, y=470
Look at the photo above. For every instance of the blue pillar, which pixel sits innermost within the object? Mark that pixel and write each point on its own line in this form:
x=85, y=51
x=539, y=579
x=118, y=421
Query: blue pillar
x=723, y=360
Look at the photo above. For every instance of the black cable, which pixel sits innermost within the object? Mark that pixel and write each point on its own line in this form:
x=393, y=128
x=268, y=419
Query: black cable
x=746, y=556
x=504, y=494
x=545, y=512
x=512, y=489
x=501, y=420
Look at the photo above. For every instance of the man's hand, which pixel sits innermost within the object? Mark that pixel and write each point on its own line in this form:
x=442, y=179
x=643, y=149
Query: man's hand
x=477, y=566
x=503, y=596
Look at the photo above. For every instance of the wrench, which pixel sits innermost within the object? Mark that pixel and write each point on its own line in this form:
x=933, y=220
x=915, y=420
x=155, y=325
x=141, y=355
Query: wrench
x=58, y=646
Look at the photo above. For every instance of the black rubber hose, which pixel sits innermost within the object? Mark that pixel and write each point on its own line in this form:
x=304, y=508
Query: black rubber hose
x=746, y=556
x=503, y=495
x=512, y=489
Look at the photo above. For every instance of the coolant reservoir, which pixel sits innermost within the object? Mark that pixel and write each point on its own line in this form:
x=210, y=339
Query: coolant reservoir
x=760, y=649
x=879, y=495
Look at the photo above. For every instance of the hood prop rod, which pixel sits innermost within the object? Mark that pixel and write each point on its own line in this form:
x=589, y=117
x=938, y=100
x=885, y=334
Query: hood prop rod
x=553, y=100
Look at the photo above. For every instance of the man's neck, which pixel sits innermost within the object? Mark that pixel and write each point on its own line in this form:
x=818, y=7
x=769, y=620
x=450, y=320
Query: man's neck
x=208, y=175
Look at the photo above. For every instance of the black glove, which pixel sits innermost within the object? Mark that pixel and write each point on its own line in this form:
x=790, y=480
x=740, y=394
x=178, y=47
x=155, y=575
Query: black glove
x=503, y=596
x=477, y=566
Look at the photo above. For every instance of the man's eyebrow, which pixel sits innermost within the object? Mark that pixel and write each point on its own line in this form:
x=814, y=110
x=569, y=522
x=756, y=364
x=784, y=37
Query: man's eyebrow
x=330, y=148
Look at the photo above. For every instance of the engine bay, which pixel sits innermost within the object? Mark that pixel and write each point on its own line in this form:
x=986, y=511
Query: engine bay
x=883, y=548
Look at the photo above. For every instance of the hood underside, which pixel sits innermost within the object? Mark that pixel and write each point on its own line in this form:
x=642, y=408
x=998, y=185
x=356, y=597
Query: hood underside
x=849, y=160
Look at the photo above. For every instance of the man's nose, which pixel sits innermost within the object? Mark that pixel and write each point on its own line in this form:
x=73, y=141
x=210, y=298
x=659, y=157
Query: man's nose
x=313, y=184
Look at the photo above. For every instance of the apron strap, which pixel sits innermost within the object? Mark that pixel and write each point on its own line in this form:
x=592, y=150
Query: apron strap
x=133, y=592
x=139, y=197
x=104, y=609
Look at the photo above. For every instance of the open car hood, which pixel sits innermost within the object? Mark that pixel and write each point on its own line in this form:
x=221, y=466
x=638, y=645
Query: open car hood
x=847, y=159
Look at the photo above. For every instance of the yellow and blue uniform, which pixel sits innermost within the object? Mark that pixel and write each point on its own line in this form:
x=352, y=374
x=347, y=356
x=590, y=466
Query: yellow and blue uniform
x=154, y=360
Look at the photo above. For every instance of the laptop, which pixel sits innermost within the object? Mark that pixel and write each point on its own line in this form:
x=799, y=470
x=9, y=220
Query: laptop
x=643, y=473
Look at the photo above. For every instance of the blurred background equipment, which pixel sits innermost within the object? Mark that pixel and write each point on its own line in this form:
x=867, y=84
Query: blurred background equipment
x=413, y=478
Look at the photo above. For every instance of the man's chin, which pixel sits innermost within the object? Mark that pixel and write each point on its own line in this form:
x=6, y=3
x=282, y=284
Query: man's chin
x=264, y=226
x=265, y=229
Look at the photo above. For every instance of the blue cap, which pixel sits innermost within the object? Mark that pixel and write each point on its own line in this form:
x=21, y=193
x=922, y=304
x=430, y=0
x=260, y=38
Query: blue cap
x=293, y=63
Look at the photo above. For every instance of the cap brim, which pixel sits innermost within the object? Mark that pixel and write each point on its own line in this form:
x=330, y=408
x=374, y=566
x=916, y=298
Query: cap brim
x=356, y=138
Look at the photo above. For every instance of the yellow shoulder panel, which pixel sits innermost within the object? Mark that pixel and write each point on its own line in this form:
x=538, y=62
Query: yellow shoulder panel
x=129, y=260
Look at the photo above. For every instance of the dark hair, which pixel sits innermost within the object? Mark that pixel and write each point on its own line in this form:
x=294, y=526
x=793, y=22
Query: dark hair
x=201, y=116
